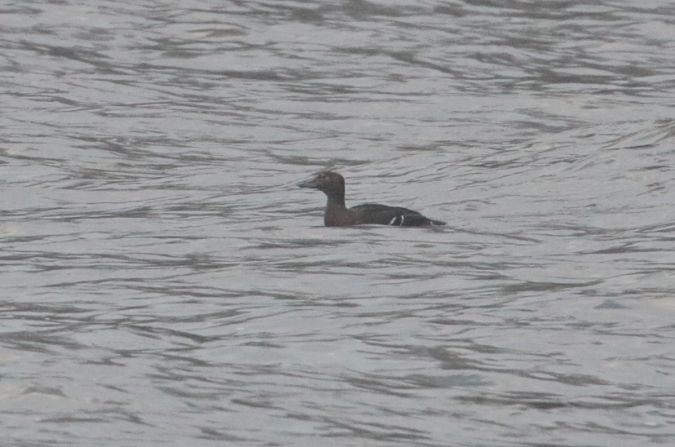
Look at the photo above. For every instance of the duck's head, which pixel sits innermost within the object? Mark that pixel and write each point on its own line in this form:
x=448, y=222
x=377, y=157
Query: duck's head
x=331, y=183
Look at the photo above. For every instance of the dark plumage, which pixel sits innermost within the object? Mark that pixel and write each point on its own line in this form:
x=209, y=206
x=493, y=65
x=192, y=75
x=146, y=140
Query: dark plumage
x=338, y=215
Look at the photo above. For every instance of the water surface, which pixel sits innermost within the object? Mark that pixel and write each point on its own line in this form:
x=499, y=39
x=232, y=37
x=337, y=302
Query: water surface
x=164, y=282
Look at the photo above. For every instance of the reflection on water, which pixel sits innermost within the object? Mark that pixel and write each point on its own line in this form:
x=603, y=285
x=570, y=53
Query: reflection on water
x=165, y=282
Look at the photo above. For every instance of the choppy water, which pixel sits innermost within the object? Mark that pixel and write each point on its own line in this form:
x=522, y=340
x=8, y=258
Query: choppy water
x=164, y=282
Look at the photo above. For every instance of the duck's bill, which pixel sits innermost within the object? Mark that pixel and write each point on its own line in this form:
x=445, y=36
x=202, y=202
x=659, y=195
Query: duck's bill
x=311, y=183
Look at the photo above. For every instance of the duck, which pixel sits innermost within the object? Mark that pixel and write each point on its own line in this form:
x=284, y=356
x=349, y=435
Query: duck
x=338, y=215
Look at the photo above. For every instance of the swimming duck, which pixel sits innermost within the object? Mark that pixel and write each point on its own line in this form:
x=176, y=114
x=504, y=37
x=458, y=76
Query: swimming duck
x=338, y=215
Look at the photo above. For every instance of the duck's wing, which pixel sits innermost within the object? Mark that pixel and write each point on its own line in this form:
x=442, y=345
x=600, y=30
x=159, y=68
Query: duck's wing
x=374, y=213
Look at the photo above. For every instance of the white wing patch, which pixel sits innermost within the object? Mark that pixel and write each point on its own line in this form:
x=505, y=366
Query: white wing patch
x=397, y=220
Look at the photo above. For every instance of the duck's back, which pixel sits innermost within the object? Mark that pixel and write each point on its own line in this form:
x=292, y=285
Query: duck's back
x=374, y=213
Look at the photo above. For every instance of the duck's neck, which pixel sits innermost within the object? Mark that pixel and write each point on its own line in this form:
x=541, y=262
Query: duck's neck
x=336, y=211
x=336, y=202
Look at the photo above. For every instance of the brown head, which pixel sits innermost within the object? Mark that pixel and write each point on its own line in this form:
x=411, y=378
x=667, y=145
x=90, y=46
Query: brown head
x=331, y=183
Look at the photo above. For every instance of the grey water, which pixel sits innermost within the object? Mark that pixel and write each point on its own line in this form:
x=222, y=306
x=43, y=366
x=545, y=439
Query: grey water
x=164, y=282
